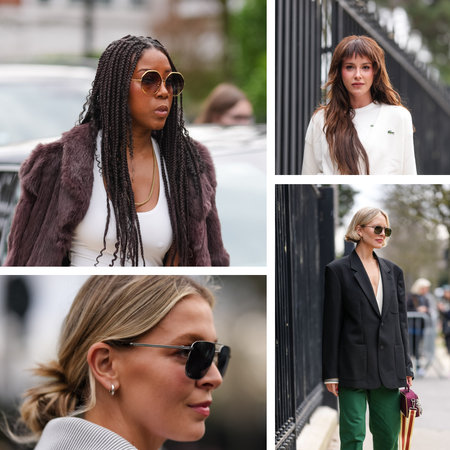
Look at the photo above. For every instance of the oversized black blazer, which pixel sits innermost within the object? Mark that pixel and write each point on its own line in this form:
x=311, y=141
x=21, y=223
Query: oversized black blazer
x=360, y=346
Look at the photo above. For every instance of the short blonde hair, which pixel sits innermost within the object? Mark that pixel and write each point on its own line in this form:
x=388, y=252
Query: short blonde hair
x=419, y=284
x=363, y=217
x=107, y=308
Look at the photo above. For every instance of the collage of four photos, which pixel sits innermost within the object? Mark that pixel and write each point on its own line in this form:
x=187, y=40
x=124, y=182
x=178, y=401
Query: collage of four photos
x=187, y=262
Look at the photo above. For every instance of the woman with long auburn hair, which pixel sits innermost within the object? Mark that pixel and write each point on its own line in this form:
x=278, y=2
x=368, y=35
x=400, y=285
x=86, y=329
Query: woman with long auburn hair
x=363, y=129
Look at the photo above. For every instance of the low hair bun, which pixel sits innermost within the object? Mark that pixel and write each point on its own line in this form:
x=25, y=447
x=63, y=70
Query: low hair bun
x=353, y=239
x=106, y=308
x=49, y=400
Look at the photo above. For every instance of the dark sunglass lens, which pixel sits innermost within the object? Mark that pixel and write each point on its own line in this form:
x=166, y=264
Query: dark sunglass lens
x=200, y=359
x=175, y=83
x=387, y=232
x=224, y=357
x=378, y=230
x=150, y=82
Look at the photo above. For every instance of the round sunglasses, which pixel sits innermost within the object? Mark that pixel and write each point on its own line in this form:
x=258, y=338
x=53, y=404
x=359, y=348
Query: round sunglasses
x=152, y=80
x=200, y=356
x=378, y=229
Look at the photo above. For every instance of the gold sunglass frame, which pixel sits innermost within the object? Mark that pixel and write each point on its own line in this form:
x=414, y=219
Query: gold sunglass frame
x=163, y=81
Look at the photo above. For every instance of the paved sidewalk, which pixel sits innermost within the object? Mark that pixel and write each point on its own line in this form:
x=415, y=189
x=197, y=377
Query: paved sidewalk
x=432, y=430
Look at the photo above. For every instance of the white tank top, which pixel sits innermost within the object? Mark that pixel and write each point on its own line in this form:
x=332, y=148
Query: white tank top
x=156, y=230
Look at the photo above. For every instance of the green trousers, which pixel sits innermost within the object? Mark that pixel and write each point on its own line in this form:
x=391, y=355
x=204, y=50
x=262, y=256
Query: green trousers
x=384, y=417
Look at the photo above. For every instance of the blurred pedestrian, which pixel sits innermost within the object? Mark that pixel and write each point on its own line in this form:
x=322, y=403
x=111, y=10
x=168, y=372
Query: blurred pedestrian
x=138, y=363
x=444, y=309
x=363, y=128
x=417, y=302
x=365, y=353
x=127, y=185
x=226, y=105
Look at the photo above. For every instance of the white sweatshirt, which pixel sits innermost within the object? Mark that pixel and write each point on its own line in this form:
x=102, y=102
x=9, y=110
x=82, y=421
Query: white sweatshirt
x=388, y=143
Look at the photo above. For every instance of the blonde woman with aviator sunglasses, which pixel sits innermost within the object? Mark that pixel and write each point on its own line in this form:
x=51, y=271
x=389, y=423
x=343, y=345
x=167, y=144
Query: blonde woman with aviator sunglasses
x=138, y=364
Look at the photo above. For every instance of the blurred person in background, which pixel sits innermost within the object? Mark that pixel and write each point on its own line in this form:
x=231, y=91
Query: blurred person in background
x=226, y=105
x=365, y=350
x=127, y=185
x=418, y=302
x=444, y=309
x=138, y=362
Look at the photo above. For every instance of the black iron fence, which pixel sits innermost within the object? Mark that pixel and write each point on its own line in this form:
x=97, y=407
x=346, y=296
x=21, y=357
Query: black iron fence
x=307, y=31
x=304, y=245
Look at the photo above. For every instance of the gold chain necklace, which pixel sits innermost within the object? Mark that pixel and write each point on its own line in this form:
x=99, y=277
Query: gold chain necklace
x=153, y=183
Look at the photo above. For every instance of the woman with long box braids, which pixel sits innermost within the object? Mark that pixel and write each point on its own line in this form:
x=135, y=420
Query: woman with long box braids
x=127, y=185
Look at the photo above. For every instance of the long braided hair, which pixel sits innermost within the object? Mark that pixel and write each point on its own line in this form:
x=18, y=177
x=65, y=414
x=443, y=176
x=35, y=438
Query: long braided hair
x=108, y=111
x=344, y=145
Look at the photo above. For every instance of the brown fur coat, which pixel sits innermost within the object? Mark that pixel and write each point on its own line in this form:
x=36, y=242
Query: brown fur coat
x=57, y=181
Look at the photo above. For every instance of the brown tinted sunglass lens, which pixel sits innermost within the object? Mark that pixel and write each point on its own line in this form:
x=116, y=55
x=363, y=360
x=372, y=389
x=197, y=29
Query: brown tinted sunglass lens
x=151, y=81
x=175, y=83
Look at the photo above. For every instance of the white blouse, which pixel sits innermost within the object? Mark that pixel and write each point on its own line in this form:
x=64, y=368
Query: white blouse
x=156, y=229
x=386, y=133
x=379, y=295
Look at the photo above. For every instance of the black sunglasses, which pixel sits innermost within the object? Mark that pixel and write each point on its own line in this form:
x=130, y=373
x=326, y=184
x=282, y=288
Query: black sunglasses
x=200, y=356
x=378, y=229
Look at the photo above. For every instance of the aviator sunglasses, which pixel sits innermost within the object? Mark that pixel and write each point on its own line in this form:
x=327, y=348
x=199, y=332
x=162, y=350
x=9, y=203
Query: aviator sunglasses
x=200, y=356
x=378, y=229
x=151, y=82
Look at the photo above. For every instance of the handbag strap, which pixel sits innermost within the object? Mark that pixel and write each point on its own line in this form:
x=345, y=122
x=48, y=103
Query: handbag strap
x=406, y=429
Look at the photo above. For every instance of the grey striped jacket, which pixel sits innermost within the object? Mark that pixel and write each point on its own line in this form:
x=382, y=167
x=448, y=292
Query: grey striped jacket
x=71, y=433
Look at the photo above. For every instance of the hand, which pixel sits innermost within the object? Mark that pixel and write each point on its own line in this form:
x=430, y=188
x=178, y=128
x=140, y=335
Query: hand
x=334, y=388
x=409, y=381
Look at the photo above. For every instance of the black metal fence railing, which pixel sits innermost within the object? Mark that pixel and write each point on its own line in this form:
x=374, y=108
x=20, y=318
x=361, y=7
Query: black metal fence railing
x=304, y=245
x=307, y=31
x=298, y=61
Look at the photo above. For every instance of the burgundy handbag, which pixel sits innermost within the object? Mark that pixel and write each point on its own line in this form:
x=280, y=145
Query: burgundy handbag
x=410, y=401
x=410, y=408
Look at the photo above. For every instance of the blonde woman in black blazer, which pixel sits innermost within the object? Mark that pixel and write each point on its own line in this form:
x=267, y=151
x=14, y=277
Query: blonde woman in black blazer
x=365, y=335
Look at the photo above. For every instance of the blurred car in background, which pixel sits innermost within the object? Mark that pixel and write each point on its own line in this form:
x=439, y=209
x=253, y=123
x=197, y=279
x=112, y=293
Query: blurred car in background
x=38, y=101
x=239, y=155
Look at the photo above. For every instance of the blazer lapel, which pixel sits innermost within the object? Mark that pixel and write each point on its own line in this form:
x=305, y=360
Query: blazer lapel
x=388, y=284
x=363, y=280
